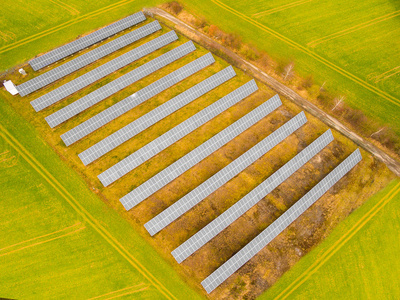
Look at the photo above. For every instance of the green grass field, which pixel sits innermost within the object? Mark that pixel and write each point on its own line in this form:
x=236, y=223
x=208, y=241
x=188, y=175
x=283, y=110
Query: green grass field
x=359, y=260
x=335, y=41
x=51, y=244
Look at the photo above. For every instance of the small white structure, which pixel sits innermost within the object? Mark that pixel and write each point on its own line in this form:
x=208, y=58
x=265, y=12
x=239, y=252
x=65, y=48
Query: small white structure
x=10, y=87
x=22, y=71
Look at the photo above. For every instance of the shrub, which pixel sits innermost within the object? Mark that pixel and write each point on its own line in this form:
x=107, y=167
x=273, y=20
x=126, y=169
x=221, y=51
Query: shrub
x=233, y=41
x=200, y=23
x=325, y=98
x=212, y=30
x=307, y=82
x=175, y=7
x=356, y=118
x=249, y=53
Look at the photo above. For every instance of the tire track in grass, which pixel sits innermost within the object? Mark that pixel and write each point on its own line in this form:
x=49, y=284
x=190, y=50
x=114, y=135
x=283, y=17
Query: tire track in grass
x=280, y=8
x=39, y=237
x=339, y=243
x=67, y=7
x=62, y=26
x=387, y=74
x=122, y=292
x=44, y=241
x=305, y=50
x=84, y=213
x=335, y=35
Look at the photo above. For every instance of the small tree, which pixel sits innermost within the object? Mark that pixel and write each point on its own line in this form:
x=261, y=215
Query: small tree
x=338, y=101
x=288, y=71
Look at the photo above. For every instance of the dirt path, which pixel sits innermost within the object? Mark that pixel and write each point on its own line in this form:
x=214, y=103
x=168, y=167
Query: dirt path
x=280, y=88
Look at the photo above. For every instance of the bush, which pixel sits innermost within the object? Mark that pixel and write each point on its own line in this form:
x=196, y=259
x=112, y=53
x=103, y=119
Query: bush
x=388, y=138
x=356, y=118
x=250, y=53
x=212, y=30
x=307, y=82
x=175, y=7
x=200, y=23
x=233, y=41
x=325, y=98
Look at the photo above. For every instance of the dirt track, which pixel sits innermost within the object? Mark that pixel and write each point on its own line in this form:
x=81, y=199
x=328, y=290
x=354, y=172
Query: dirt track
x=280, y=88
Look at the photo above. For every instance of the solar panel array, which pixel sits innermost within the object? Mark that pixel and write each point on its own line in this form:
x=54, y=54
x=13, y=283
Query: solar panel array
x=195, y=156
x=86, y=41
x=248, y=201
x=223, y=176
x=267, y=235
x=162, y=111
x=88, y=78
x=135, y=99
x=118, y=84
x=87, y=58
x=170, y=137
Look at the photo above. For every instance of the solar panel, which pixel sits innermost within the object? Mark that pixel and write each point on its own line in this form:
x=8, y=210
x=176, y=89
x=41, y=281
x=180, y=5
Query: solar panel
x=87, y=58
x=176, y=133
x=195, y=156
x=248, y=201
x=118, y=84
x=102, y=71
x=267, y=235
x=152, y=117
x=135, y=99
x=86, y=41
x=223, y=176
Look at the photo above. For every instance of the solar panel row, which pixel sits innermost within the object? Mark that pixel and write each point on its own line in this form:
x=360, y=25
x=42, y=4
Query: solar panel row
x=86, y=41
x=162, y=111
x=88, y=78
x=223, y=176
x=267, y=235
x=118, y=84
x=183, y=164
x=195, y=156
x=239, y=208
x=79, y=62
x=176, y=133
x=135, y=99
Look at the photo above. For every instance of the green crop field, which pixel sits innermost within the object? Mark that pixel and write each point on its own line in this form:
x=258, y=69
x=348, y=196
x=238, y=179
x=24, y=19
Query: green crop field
x=359, y=260
x=351, y=45
x=58, y=240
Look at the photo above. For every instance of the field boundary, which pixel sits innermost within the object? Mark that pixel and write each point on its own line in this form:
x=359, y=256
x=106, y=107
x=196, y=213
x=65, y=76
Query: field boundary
x=317, y=57
x=84, y=213
x=339, y=243
x=39, y=35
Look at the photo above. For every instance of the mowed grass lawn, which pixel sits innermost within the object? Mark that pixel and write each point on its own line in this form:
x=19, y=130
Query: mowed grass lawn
x=359, y=260
x=49, y=249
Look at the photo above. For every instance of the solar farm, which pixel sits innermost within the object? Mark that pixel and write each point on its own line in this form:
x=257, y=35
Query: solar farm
x=222, y=176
